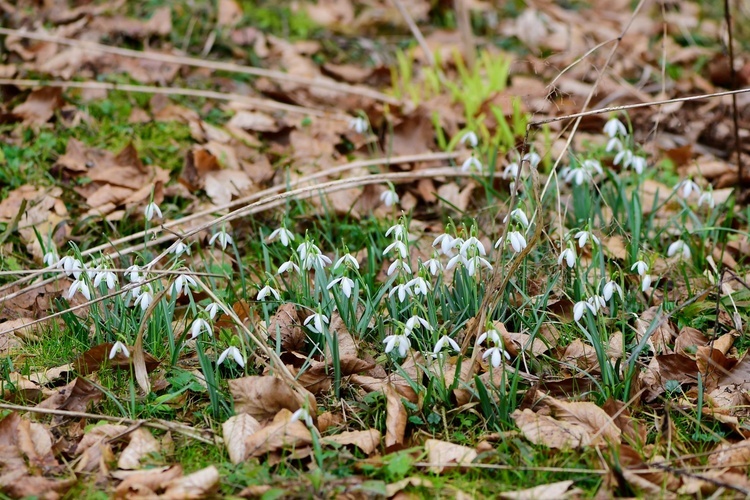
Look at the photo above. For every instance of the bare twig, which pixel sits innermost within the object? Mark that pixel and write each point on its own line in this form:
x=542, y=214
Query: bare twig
x=415, y=31
x=733, y=78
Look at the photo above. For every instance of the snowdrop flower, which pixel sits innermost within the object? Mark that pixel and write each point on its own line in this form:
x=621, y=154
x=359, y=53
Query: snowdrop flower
x=302, y=415
x=182, y=284
x=134, y=273
x=470, y=164
x=579, y=309
x=310, y=254
x=569, y=256
x=414, y=322
x=179, y=247
x=81, y=286
x=576, y=174
x=419, y=285
x=687, y=187
x=119, y=347
x=266, y=291
x=107, y=276
x=614, y=144
x=224, y=239
x=511, y=171
x=389, y=197
x=445, y=341
x=346, y=285
x=402, y=290
x=151, y=210
x=212, y=309
x=472, y=243
x=347, y=259
x=492, y=335
x=519, y=216
x=707, y=198
x=398, y=245
x=199, y=325
x=640, y=267
x=471, y=138
x=398, y=263
x=399, y=232
x=474, y=263
x=144, y=299
x=583, y=237
x=638, y=163
x=609, y=289
x=236, y=356
x=646, y=283
x=625, y=157
x=71, y=266
x=446, y=242
x=496, y=355
x=282, y=234
x=615, y=127
x=433, y=265
x=359, y=125
x=458, y=258
x=679, y=246
x=592, y=165
x=533, y=158
x=315, y=322
x=286, y=266
x=50, y=258
x=597, y=301
x=517, y=241
x=400, y=342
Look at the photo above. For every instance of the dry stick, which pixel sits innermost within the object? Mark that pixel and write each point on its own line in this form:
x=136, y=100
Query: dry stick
x=415, y=32
x=160, y=424
x=110, y=269
x=208, y=94
x=733, y=76
x=238, y=202
x=463, y=19
x=203, y=63
x=512, y=467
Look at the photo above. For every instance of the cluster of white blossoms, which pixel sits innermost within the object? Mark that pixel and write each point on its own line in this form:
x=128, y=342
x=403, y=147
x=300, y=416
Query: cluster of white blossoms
x=620, y=143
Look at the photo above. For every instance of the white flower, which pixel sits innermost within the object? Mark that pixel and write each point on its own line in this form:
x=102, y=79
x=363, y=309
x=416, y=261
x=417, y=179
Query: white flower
x=519, y=216
x=496, y=355
x=310, y=254
x=144, y=299
x=212, y=309
x=398, y=263
x=119, y=347
x=151, y=210
x=236, y=355
x=443, y=341
x=517, y=241
x=347, y=259
x=198, y=326
x=359, y=125
x=679, y=246
x=434, y=266
x=615, y=127
x=134, y=273
x=646, y=283
x=389, y=197
x=399, y=232
x=71, y=266
x=533, y=158
x=446, y=242
x=398, y=245
x=224, y=239
x=179, y=247
x=455, y=260
x=400, y=342
x=592, y=165
x=610, y=288
x=474, y=263
x=108, y=277
x=625, y=156
x=640, y=267
x=492, y=335
x=576, y=174
x=402, y=290
x=583, y=237
x=182, y=284
x=470, y=164
x=414, y=322
x=315, y=322
x=470, y=138
x=638, y=163
x=597, y=301
x=511, y=171
x=286, y=266
x=687, y=188
x=266, y=291
x=303, y=415
x=569, y=256
x=419, y=285
x=79, y=285
x=282, y=234
x=614, y=144
x=346, y=285
x=580, y=308
x=707, y=198
x=50, y=258
x=472, y=243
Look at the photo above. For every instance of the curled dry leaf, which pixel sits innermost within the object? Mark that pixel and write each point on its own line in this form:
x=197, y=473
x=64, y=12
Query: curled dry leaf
x=545, y=430
x=442, y=454
x=285, y=325
x=199, y=484
x=263, y=397
x=144, y=483
x=664, y=368
x=236, y=430
x=318, y=377
x=141, y=444
x=94, y=447
x=688, y=341
x=589, y=415
x=731, y=455
x=40, y=105
x=661, y=337
x=395, y=419
x=280, y=433
x=552, y=491
x=347, y=346
x=410, y=369
x=367, y=441
x=73, y=397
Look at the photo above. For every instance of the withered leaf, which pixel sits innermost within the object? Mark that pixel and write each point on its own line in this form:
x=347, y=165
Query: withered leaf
x=284, y=325
x=442, y=453
x=98, y=357
x=141, y=444
x=395, y=419
x=235, y=431
x=367, y=441
x=280, y=433
x=552, y=491
x=263, y=397
x=545, y=430
x=199, y=484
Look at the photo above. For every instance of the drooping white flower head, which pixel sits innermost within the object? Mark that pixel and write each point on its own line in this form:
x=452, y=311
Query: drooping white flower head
x=284, y=235
x=470, y=138
x=212, y=309
x=346, y=260
x=419, y=285
x=182, y=284
x=303, y=416
x=496, y=355
x=472, y=164
x=446, y=242
x=445, y=341
x=614, y=144
x=646, y=283
x=687, y=187
x=579, y=309
x=145, y=297
x=472, y=246
x=234, y=353
x=473, y=264
x=398, y=231
x=79, y=285
x=399, y=342
x=615, y=127
x=491, y=335
x=359, y=125
x=398, y=245
x=179, y=247
x=315, y=322
x=638, y=163
x=50, y=258
x=71, y=266
x=119, y=347
x=533, y=158
x=640, y=267
x=107, y=277
x=152, y=209
x=402, y=290
x=223, y=238
x=399, y=264
x=414, y=322
x=519, y=216
x=681, y=247
x=707, y=198
x=266, y=291
x=389, y=197
x=347, y=285
x=511, y=171
x=286, y=266
x=584, y=236
x=625, y=157
x=433, y=265
x=199, y=326
x=569, y=256
x=610, y=288
x=517, y=241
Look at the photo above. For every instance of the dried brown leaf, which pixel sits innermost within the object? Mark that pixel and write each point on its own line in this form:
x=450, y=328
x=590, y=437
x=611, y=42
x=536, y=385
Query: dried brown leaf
x=442, y=454
x=141, y=444
x=147, y=482
x=40, y=105
x=280, y=433
x=589, y=415
x=73, y=397
x=688, y=341
x=98, y=357
x=199, y=484
x=236, y=430
x=552, y=491
x=285, y=325
x=367, y=441
x=660, y=338
x=545, y=430
x=263, y=397
x=395, y=419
